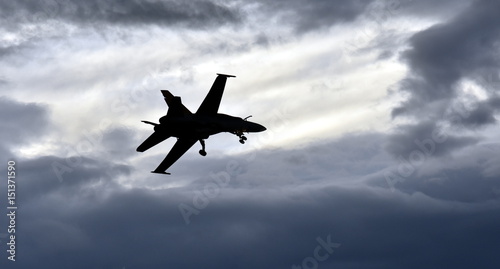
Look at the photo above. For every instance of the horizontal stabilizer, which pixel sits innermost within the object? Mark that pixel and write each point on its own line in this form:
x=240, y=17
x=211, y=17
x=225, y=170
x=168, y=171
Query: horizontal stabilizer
x=224, y=75
x=160, y=172
x=148, y=122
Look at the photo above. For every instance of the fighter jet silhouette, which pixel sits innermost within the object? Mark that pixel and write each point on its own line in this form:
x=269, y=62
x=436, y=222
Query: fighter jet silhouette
x=189, y=128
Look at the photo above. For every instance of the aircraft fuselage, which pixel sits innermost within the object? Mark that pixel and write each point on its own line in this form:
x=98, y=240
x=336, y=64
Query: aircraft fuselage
x=201, y=126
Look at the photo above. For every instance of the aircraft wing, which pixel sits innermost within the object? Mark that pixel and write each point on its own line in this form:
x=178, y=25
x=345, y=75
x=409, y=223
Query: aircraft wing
x=180, y=147
x=210, y=104
x=153, y=140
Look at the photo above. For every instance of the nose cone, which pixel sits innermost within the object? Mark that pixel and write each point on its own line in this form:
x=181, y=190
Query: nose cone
x=255, y=128
x=261, y=128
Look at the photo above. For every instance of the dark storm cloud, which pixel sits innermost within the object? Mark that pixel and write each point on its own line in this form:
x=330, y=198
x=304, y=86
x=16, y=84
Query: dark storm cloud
x=420, y=137
x=314, y=15
x=89, y=220
x=40, y=189
x=483, y=114
x=119, y=12
x=465, y=47
x=464, y=184
x=82, y=174
x=442, y=56
x=469, y=177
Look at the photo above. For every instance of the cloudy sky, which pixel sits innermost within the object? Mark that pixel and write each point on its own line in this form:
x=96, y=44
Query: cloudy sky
x=382, y=147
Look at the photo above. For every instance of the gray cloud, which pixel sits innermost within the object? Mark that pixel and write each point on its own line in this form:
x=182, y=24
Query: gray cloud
x=483, y=114
x=119, y=142
x=468, y=177
x=119, y=12
x=429, y=8
x=83, y=171
x=35, y=22
x=3, y=81
x=8, y=50
x=20, y=122
x=316, y=15
x=414, y=137
x=465, y=47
